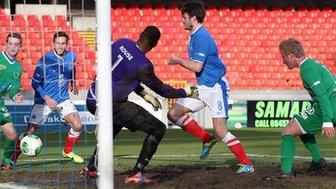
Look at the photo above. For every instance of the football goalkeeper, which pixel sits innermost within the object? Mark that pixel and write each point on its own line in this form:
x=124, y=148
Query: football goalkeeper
x=130, y=68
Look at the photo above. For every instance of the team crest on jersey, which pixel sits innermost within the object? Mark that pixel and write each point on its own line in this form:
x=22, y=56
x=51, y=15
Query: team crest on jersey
x=16, y=75
x=2, y=67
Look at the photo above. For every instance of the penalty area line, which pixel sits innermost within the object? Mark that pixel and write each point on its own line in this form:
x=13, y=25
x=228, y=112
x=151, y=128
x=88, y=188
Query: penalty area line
x=228, y=154
x=185, y=155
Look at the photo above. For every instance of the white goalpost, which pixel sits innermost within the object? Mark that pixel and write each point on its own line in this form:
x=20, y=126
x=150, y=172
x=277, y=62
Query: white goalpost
x=105, y=126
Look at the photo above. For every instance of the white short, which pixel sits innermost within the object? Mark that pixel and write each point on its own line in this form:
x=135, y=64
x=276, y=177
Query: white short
x=215, y=97
x=41, y=111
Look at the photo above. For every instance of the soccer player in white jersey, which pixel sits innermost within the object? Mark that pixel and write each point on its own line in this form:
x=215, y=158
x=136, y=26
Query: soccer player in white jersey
x=212, y=85
x=51, y=79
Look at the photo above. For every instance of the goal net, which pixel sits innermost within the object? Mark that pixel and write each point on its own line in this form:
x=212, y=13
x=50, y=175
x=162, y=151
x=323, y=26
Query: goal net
x=37, y=24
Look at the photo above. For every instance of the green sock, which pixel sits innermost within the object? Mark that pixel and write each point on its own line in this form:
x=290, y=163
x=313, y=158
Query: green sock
x=9, y=149
x=310, y=143
x=287, y=153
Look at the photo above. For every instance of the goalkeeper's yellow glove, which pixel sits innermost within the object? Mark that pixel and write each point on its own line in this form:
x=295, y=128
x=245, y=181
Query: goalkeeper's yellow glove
x=151, y=99
x=192, y=91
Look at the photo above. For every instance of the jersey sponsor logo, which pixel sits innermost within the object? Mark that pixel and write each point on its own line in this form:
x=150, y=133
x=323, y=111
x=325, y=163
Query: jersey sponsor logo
x=304, y=114
x=2, y=67
x=128, y=55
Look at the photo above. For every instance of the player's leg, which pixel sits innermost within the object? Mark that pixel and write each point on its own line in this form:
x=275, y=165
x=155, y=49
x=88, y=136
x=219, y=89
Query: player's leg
x=39, y=113
x=136, y=118
x=288, y=134
x=309, y=121
x=69, y=113
x=178, y=114
x=155, y=130
x=233, y=144
x=8, y=143
x=218, y=99
x=30, y=129
x=318, y=163
x=310, y=143
x=91, y=168
x=10, y=136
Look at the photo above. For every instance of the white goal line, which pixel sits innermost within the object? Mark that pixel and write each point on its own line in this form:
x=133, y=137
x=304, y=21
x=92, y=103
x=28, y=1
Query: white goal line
x=184, y=155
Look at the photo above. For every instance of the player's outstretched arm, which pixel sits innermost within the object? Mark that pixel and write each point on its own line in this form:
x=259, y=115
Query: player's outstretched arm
x=188, y=64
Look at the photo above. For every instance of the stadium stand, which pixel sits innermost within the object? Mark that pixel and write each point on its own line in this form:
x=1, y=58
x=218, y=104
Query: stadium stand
x=248, y=41
x=37, y=41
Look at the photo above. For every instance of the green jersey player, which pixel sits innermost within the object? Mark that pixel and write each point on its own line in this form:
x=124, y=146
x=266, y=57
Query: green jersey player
x=318, y=80
x=10, y=77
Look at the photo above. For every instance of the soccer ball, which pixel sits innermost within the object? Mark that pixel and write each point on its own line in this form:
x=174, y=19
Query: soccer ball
x=31, y=145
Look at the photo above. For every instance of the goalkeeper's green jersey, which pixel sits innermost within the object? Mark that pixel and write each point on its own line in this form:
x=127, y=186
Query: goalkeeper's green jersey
x=321, y=85
x=10, y=76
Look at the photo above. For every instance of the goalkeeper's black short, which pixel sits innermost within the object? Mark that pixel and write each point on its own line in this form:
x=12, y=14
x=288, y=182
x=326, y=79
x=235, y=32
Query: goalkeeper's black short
x=133, y=117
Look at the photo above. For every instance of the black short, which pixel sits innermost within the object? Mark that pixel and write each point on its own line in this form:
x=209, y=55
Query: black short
x=133, y=117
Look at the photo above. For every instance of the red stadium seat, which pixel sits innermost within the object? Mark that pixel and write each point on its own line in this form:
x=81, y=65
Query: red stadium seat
x=61, y=21
x=247, y=39
x=19, y=20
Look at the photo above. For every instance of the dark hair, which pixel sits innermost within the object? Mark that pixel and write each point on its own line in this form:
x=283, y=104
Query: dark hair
x=194, y=8
x=14, y=35
x=291, y=46
x=152, y=34
x=60, y=34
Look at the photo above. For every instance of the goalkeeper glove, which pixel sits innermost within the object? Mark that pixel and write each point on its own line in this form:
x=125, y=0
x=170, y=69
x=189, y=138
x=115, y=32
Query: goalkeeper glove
x=151, y=99
x=192, y=91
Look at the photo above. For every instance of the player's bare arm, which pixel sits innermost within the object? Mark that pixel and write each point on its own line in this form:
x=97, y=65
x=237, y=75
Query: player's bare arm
x=74, y=88
x=50, y=102
x=328, y=129
x=188, y=64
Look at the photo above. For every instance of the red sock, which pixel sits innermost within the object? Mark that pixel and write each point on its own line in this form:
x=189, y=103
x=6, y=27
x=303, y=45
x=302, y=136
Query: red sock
x=31, y=128
x=70, y=142
x=240, y=154
x=191, y=126
x=17, y=153
x=236, y=148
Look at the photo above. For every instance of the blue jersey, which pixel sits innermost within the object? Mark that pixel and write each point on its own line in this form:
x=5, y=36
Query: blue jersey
x=130, y=68
x=202, y=48
x=52, y=76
